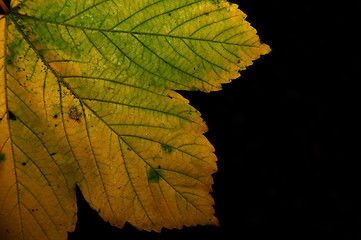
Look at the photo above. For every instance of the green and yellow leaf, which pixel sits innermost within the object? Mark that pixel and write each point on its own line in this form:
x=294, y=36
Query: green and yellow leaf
x=87, y=98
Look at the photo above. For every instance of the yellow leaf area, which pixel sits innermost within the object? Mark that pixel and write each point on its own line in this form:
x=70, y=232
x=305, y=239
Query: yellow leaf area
x=87, y=98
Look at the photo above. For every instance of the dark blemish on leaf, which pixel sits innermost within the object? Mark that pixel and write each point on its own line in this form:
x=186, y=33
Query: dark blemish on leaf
x=167, y=149
x=154, y=175
x=11, y=116
x=24, y=163
x=169, y=14
x=73, y=114
x=52, y=154
x=2, y=157
x=55, y=116
x=239, y=61
x=207, y=14
x=129, y=149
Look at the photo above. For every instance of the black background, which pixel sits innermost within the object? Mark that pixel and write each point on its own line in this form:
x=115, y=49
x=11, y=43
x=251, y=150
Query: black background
x=286, y=133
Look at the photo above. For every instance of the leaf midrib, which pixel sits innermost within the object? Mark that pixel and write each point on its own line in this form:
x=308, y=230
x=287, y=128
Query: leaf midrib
x=128, y=32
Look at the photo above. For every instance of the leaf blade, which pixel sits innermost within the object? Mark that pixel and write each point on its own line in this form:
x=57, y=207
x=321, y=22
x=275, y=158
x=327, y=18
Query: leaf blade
x=97, y=102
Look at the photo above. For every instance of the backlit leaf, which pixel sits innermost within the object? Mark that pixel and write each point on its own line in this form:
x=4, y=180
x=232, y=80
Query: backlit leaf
x=87, y=98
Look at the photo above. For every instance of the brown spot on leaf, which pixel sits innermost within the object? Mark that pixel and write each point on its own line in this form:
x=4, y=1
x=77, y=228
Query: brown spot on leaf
x=73, y=114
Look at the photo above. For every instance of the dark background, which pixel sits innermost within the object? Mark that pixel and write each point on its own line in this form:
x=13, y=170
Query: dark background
x=286, y=133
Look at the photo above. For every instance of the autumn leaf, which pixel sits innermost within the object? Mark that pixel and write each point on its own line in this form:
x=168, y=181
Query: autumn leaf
x=87, y=98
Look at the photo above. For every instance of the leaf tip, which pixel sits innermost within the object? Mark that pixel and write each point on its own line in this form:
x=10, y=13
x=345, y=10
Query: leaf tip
x=215, y=222
x=265, y=49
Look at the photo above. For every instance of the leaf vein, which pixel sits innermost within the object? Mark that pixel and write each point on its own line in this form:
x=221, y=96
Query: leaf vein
x=130, y=179
x=41, y=205
x=211, y=23
x=23, y=102
x=96, y=163
x=36, y=220
x=46, y=179
x=133, y=14
x=170, y=11
x=192, y=19
x=171, y=65
x=83, y=11
x=138, y=107
x=46, y=149
x=139, y=65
